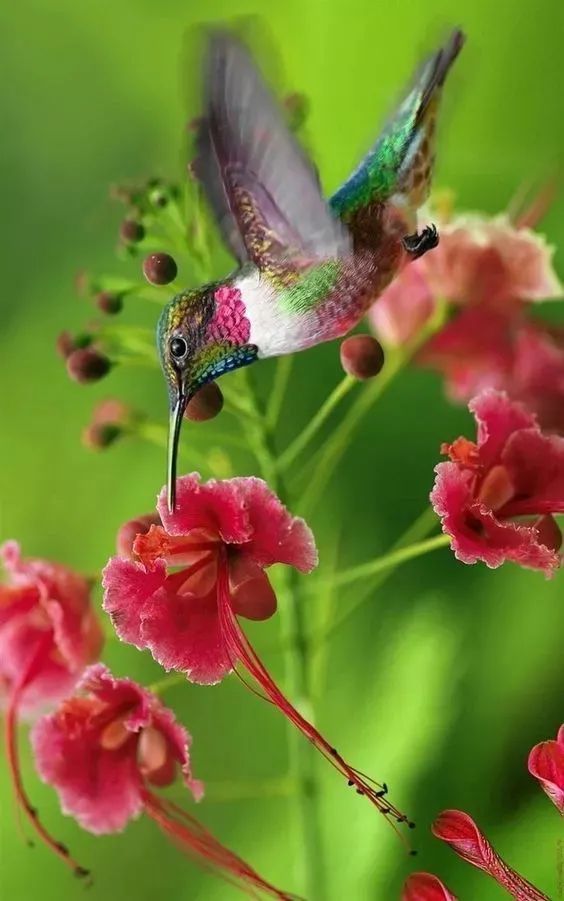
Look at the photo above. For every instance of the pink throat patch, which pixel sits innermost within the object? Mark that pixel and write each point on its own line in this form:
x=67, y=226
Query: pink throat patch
x=229, y=323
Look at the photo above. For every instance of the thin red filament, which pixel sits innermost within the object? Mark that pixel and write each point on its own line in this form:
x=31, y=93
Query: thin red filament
x=11, y=738
x=241, y=650
x=198, y=843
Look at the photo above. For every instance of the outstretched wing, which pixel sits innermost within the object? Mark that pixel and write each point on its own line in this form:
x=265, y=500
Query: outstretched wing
x=263, y=189
x=401, y=159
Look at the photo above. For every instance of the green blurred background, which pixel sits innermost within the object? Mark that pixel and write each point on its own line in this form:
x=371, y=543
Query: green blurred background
x=448, y=675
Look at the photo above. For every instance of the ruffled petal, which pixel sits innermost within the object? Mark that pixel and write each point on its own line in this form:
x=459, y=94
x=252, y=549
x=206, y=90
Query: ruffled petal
x=536, y=465
x=464, y=837
x=546, y=763
x=128, y=587
x=276, y=536
x=183, y=633
x=425, y=887
x=216, y=506
x=497, y=418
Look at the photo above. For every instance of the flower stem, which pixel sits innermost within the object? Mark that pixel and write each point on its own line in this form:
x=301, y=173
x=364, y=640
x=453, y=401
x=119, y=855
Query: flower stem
x=335, y=447
x=339, y=440
x=297, y=673
x=300, y=443
x=387, y=561
x=405, y=548
x=282, y=377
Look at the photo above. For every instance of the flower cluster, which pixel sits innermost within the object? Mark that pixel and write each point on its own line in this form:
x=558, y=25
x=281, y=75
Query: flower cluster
x=491, y=271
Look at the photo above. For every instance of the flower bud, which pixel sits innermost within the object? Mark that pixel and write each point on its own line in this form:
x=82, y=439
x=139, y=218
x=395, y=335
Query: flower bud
x=129, y=531
x=206, y=403
x=109, y=420
x=159, y=268
x=131, y=231
x=87, y=365
x=109, y=302
x=65, y=345
x=362, y=356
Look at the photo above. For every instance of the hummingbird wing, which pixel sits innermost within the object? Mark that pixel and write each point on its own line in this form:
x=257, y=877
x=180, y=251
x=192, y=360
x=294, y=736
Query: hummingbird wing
x=264, y=190
x=400, y=162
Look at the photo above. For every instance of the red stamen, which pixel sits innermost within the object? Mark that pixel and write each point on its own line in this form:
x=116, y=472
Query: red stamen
x=241, y=650
x=198, y=843
x=11, y=737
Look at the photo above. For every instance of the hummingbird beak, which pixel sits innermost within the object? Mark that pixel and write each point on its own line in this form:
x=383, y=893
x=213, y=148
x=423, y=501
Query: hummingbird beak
x=175, y=423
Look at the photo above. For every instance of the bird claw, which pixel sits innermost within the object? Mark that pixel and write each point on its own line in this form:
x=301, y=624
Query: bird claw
x=418, y=244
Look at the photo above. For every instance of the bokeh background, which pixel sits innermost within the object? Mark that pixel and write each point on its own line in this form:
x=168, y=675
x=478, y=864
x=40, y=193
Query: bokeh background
x=446, y=677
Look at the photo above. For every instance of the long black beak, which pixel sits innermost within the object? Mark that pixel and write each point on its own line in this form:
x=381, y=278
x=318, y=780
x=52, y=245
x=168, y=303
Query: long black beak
x=175, y=424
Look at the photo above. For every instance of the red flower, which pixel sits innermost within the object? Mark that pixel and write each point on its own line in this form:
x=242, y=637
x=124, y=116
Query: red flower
x=490, y=260
x=104, y=748
x=198, y=572
x=464, y=837
x=546, y=763
x=425, y=887
x=48, y=634
x=496, y=497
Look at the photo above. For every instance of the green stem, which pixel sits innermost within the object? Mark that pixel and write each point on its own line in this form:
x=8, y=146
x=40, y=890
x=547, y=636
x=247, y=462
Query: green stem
x=300, y=443
x=411, y=539
x=387, y=561
x=293, y=630
x=336, y=446
x=339, y=440
x=281, y=379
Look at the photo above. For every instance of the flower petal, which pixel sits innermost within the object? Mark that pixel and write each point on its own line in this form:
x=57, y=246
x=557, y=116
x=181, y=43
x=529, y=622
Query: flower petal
x=216, y=506
x=183, y=633
x=101, y=790
x=252, y=594
x=546, y=763
x=425, y=887
x=464, y=837
x=473, y=351
x=128, y=587
x=276, y=536
x=536, y=465
x=498, y=418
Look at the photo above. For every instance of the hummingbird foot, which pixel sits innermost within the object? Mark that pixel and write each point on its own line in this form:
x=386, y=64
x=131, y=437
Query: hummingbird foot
x=418, y=244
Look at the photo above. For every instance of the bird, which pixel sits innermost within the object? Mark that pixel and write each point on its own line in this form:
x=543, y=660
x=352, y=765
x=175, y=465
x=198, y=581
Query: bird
x=308, y=268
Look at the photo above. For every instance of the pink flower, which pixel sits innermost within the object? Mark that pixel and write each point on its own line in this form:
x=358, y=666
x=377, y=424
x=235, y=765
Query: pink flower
x=491, y=261
x=48, y=634
x=104, y=748
x=546, y=763
x=496, y=497
x=464, y=837
x=425, y=887
x=488, y=265
x=200, y=571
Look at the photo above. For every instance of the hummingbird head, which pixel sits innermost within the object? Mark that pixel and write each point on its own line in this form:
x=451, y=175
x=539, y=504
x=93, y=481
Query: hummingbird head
x=200, y=335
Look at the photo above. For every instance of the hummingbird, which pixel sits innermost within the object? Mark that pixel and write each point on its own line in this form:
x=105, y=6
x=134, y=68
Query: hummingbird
x=308, y=268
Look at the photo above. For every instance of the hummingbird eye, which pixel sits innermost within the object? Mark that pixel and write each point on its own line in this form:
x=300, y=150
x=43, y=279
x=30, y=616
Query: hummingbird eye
x=178, y=348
